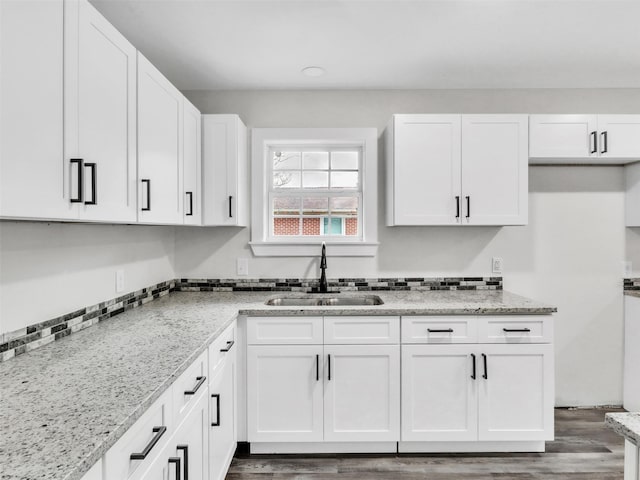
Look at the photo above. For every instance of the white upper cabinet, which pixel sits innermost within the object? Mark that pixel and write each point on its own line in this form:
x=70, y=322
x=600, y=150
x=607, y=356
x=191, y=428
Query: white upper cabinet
x=160, y=186
x=192, y=164
x=34, y=174
x=100, y=113
x=225, y=174
x=495, y=169
x=599, y=139
x=457, y=170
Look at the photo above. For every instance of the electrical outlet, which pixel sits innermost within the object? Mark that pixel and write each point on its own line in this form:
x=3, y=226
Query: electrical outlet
x=119, y=281
x=496, y=264
x=627, y=268
x=242, y=266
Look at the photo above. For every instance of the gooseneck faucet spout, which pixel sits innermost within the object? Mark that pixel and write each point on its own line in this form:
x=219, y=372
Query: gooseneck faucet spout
x=323, y=287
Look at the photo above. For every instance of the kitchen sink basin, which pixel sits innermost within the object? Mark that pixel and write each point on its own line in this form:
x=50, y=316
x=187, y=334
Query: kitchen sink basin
x=365, y=300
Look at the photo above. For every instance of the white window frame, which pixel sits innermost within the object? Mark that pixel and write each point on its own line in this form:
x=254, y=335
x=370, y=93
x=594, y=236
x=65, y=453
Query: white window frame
x=263, y=140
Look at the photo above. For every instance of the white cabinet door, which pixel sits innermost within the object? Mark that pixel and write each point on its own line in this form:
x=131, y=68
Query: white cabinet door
x=495, y=169
x=191, y=441
x=619, y=136
x=516, y=392
x=100, y=113
x=284, y=393
x=192, y=164
x=224, y=170
x=425, y=170
x=362, y=393
x=439, y=393
x=222, y=425
x=34, y=174
x=631, y=395
x=563, y=136
x=159, y=147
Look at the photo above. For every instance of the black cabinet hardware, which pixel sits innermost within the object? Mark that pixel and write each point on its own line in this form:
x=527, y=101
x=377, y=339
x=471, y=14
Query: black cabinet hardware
x=217, y=397
x=230, y=209
x=473, y=366
x=148, y=182
x=94, y=173
x=521, y=330
x=329, y=367
x=200, y=381
x=159, y=431
x=457, y=206
x=442, y=330
x=486, y=372
x=80, y=193
x=605, y=142
x=317, y=368
x=185, y=450
x=190, y=211
x=176, y=461
x=230, y=344
x=468, y=206
x=594, y=142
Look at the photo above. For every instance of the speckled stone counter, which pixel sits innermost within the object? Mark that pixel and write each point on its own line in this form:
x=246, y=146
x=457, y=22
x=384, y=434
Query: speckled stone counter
x=64, y=405
x=632, y=293
x=626, y=425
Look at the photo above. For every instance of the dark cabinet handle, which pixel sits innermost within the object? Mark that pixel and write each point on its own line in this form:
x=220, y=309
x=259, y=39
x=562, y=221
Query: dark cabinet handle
x=457, y=206
x=317, y=368
x=522, y=330
x=176, y=461
x=468, y=206
x=329, y=367
x=148, y=182
x=200, y=381
x=486, y=372
x=473, y=366
x=594, y=142
x=80, y=193
x=444, y=330
x=94, y=173
x=230, y=209
x=159, y=431
x=190, y=209
x=217, y=397
x=230, y=344
x=605, y=142
x=185, y=449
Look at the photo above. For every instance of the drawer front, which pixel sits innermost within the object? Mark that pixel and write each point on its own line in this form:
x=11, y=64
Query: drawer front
x=218, y=350
x=284, y=331
x=440, y=329
x=515, y=329
x=361, y=330
x=148, y=435
x=188, y=387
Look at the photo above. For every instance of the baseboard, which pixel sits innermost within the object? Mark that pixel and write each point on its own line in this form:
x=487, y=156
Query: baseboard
x=323, y=447
x=470, y=447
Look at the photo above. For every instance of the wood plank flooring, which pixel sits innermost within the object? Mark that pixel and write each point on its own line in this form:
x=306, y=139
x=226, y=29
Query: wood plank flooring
x=584, y=449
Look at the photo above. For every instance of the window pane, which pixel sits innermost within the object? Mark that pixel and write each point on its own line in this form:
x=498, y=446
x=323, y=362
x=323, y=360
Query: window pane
x=351, y=226
x=315, y=179
x=286, y=179
x=311, y=226
x=286, y=206
x=333, y=227
x=286, y=226
x=344, y=206
x=315, y=206
x=286, y=160
x=344, y=160
x=316, y=160
x=344, y=179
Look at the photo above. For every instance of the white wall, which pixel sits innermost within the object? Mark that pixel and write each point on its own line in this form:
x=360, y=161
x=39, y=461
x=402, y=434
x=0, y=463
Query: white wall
x=49, y=269
x=569, y=255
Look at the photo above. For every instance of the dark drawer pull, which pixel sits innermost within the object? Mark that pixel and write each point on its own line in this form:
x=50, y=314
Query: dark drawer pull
x=486, y=372
x=94, y=173
x=198, y=385
x=79, y=197
x=317, y=368
x=594, y=142
x=185, y=449
x=148, y=182
x=520, y=330
x=457, y=206
x=443, y=330
x=159, y=431
x=176, y=462
x=230, y=209
x=605, y=142
x=217, y=397
x=230, y=344
x=473, y=358
x=189, y=215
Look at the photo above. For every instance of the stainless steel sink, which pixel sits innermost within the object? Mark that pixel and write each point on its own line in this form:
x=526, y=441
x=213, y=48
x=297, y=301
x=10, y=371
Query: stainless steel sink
x=364, y=300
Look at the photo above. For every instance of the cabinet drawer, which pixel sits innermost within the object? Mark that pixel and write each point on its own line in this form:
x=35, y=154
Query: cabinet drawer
x=149, y=434
x=284, y=330
x=188, y=387
x=356, y=330
x=515, y=329
x=220, y=347
x=440, y=329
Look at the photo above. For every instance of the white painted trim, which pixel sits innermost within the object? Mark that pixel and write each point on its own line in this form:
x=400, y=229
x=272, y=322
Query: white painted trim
x=292, y=249
x=462, y=447
x=323, y=447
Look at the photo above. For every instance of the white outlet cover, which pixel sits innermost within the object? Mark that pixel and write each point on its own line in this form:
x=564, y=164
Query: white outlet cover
x=242, y=266
x=627, y=268
x=119, y=281
x=496, y=264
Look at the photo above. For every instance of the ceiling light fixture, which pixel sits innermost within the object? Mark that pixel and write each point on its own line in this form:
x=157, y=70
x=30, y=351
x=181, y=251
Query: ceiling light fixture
x=313, y=71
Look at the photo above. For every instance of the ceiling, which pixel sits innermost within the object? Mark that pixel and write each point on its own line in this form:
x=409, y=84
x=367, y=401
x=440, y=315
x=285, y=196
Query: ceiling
x=386, y=44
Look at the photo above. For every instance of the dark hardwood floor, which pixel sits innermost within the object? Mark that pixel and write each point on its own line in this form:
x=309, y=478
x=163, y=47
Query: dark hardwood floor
x=584, y=449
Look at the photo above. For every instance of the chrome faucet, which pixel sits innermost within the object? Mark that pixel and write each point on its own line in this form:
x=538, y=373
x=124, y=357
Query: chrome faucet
x=323, y=288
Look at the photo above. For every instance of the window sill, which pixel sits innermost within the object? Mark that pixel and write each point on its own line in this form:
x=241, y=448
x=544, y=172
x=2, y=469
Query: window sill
x=297, y=249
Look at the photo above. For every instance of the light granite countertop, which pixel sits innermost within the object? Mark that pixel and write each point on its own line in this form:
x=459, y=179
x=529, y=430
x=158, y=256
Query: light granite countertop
x=64, y=405
x=625, y=424
x=632, y=293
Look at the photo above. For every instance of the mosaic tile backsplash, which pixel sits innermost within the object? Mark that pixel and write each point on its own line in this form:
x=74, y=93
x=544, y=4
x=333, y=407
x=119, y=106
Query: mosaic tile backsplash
x=632, y=283
x=34, y=336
